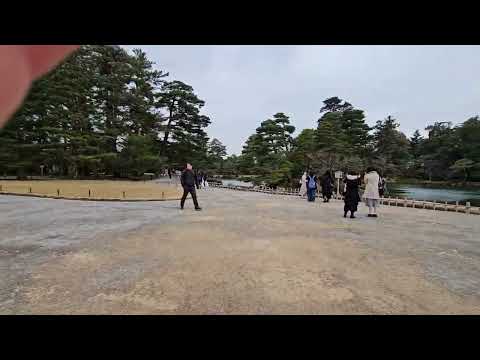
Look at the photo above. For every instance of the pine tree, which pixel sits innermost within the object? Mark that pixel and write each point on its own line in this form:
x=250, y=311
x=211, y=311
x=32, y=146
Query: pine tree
x=182, y=136
x=342, y=129
x=304, y=147
x=415, y=144
x=330, y=136
x=335, y=104
x=276, y=134
x=391, y=147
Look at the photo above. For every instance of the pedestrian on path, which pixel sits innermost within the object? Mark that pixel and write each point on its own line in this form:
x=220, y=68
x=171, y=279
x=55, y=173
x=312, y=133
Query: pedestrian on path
x=205, y=181
x=303, y=185
x=351, y=197
x=327, y=186
x=371, y=194
x=311, y=184
x=198, y=177
x=189, y=181
x=382, y=187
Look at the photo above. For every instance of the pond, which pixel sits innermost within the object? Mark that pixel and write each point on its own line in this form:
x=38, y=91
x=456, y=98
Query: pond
x=229, y=182
x=440, y=194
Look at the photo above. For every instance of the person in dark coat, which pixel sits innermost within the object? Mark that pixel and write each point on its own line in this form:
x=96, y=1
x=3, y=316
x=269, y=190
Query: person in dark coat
x=311, y=186
x=327, y=186
x=382, y=186
x=351, y=197
x=198, y=176
x=189, y=181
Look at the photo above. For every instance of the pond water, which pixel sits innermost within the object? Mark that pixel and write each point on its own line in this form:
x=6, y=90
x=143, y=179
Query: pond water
x=228, y=182
x=420, y=192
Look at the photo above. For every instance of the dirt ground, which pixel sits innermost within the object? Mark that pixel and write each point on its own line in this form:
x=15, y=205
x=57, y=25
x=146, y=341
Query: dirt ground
x=245, y=253
x=99, y=189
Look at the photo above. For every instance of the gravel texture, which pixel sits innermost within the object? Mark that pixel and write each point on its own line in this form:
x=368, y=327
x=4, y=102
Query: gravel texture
x=245, y=253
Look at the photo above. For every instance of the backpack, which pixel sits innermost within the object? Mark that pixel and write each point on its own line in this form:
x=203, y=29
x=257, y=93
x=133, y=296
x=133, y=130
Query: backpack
x=311, y=182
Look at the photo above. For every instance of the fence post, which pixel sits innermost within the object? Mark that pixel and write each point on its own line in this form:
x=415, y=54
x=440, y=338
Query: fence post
x=58, y=192
x=446, y=205
x=89, y=193
x=456, y=206
x=163, y=195
x=124, y=194
x=424, y=204
x=30, y=190
x=467, y=205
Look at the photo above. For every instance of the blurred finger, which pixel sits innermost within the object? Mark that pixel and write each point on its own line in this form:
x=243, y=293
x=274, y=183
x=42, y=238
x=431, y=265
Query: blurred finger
x=19, y=66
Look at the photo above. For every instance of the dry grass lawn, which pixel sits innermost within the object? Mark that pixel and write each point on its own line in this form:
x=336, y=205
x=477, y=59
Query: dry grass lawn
x=102, y=190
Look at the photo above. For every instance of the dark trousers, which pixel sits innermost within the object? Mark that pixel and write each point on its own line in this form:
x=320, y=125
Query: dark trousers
x=311, y=193
x=191, y=190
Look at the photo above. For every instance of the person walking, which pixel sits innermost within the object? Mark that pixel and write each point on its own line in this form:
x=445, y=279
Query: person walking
x=311, y=184
x=371, y=194
x=189, y=181
x=303, y=185
x=327, y=186
x=351, y=197
x=198, y=176
x=382, y=187
x=204, y=179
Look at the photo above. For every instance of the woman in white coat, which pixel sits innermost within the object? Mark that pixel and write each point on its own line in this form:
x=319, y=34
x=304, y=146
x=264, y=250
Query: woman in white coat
x=371, y=194
x=303, y=184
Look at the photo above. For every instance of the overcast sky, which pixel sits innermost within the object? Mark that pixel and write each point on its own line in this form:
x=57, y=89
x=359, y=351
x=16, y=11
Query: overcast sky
x=244, y=85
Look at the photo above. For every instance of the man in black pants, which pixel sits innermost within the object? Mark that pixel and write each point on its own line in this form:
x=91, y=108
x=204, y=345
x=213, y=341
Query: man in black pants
x=189, y=181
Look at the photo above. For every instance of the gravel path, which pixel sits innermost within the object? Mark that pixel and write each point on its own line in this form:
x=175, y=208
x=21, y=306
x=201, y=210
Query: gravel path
x=246, y=253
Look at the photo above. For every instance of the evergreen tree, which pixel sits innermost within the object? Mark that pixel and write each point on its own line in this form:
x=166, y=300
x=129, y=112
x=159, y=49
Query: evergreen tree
x=216, y=153
x=304, y=147
x=342, y=129
x=276, y=134
x=416, y=166
x=335, y=104
x=416, y=142
x=182, y=136
x=392, y=145
x=440, y=150
x=330, y=135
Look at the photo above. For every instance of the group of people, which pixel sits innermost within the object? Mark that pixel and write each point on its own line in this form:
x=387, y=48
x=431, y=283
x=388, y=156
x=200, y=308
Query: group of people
x=201, y=179
x=309, y=186
x=375, y=187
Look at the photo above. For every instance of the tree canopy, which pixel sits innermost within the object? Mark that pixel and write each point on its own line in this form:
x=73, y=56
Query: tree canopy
x=343, y=140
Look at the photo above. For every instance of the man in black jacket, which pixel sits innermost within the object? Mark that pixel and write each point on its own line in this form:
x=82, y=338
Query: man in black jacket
x=189, y=181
